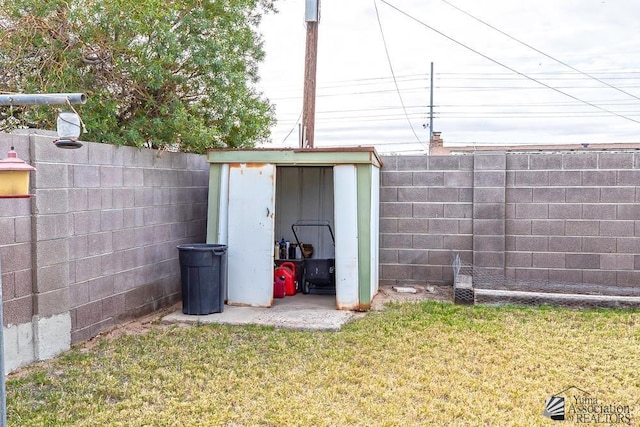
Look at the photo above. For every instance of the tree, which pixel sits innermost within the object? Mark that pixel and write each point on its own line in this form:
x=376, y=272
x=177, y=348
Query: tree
x=156, y=72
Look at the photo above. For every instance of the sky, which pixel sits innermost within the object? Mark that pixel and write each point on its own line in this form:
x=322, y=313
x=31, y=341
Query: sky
x=488, y=88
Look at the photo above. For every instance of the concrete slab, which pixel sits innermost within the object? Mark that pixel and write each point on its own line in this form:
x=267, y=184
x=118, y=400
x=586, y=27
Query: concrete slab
x=299, y=312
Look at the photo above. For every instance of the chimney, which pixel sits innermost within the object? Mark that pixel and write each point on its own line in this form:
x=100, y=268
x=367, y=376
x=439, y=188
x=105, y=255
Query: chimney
x=436, y=140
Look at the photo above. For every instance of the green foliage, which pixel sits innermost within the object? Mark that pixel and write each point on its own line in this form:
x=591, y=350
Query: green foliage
x=155, y=71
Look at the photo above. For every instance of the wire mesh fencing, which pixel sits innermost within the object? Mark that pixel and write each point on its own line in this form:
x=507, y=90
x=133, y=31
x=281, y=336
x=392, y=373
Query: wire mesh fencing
x=477, y=285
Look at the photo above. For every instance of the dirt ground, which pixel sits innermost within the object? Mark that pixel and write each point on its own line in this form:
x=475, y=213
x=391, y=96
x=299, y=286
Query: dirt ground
x=388, y=294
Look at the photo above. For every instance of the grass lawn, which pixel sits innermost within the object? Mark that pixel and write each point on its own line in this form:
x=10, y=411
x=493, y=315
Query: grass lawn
x=432, y=364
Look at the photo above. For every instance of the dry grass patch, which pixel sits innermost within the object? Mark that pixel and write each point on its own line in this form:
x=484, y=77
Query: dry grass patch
x=411, y=364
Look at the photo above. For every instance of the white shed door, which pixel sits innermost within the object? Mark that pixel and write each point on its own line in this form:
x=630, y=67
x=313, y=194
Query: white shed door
x=251, y=234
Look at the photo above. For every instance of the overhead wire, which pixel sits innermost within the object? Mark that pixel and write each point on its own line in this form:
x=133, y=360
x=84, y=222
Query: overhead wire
x=538, y=50
x=504, y=65
x=386, y=50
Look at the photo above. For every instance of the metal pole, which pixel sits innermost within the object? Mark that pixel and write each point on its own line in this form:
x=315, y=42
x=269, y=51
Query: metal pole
x=43, y=99
x=3, y=391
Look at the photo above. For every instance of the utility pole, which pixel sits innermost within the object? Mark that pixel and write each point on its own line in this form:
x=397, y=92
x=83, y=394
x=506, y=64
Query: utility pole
x=312, y=18
x=431, y=109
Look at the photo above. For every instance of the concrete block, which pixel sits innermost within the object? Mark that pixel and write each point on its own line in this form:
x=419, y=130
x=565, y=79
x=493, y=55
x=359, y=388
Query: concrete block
x=427, y=241
x=454, y=243
x=23, y=283
x=133, y=177
x=396, y=210
x=532, y=178
x=489, y=161
x=52, y=335
x=582, y=261
x=86, y=176
x=388, y=194
x=566, y=276
x=396, y=179
x=51, y=175
x=443, y=194
x=99, y=243
x=56, y=226
x=465, y=195
x=88, y=314
x=532, y=210
x=598, y=211
x=22, y=229
x=428, y=210
x=53, y=277
x=564, y=244
x=489, y=179
x=78, y=295
x=412, y=163
x=444, y=162
x=390, y=162
x=86, y=222
x=133, y=217
x=532, y=243
x=582, y=228
x=111, y=176
x=628, y=278
x=628, y=177
x=489, y=259
x=8, y=236
x=387, y=225
x=518, y=161
x=18, y=310
x=615, y=160
x=616, y=261
x=100, y=154
x=565, y=211
x=457, y=179
x=489, y=195
x=601, y=178
x=548, y=195
x=601, y=278
x=388, y=256
x=518, y=259
x=413, y=225
x=395, y=272
x=565, y=178
x=599, y=244
x=78, y=199
x=628, y=212
x=413, y=194
x=52, y=201
x=88, y=268
x=489, y=243
x=16, y=257
x=629, y=245
x=618, y=195
x=427, y=178
x=443, y=226
x=532, y=274
x=455, y=210
x=113, y=306
x=616, y=228
x=547, y=260
x=546, y=162
x=412, y=256
x=580, y=161
x=547, y=227
x=488, y=227
x=103, y=197
x=78, y=247
x=111, y=219
x=518, y=195
x=395, y=241
x=489, y=211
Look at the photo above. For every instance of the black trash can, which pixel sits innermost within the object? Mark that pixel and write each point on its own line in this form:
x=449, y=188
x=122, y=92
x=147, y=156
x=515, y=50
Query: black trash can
x=203, y=270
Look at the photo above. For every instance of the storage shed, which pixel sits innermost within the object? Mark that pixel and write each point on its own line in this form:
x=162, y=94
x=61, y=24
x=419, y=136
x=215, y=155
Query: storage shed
x=255, y=196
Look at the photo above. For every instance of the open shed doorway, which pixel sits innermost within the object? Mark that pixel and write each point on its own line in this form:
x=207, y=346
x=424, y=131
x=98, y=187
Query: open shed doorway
x=306, y=193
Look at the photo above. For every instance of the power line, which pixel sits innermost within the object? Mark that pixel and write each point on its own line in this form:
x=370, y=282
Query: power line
x=506, y=66
x=538, y=50
x=386, y=50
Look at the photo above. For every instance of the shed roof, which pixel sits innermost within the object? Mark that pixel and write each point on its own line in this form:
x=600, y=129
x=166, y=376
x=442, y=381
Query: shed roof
x=297, y=156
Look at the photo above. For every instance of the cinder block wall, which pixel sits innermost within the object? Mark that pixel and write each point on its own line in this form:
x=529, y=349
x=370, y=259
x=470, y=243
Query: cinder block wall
x=562, y=217
x=426, y=213
x=97, y=244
